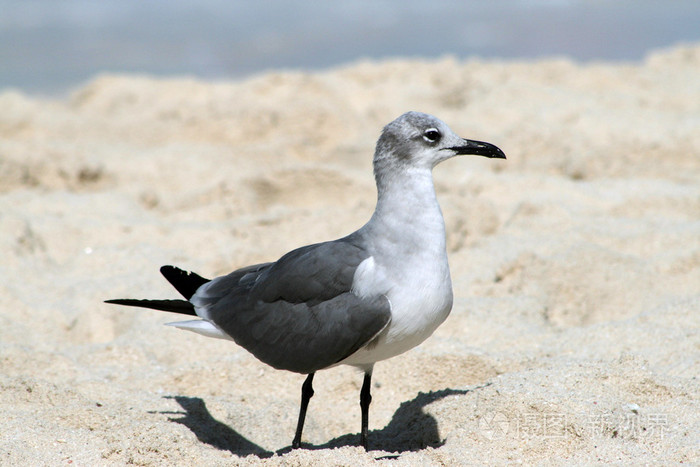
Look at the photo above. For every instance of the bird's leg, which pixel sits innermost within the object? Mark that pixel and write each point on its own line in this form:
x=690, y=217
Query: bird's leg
x=365, y=400
x=307, y=391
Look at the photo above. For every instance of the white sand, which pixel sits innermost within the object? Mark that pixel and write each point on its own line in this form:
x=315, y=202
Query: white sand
x=576, y=265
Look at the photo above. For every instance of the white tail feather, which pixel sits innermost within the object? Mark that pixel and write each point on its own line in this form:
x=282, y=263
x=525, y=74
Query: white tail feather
x=202, y=327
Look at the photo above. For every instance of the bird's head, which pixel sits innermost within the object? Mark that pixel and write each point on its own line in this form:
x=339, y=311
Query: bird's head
x=420, y=140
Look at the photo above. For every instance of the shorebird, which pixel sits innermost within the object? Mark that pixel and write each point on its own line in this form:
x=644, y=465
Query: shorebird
x=366, y=297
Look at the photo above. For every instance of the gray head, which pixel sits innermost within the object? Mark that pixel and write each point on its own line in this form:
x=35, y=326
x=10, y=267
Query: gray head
x=422, y=141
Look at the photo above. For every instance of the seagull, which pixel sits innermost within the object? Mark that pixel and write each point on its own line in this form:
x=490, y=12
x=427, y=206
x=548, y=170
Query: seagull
x=366, y=297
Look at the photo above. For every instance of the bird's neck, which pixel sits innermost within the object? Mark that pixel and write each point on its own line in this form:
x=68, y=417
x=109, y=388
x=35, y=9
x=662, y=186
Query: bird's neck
x=407, y=216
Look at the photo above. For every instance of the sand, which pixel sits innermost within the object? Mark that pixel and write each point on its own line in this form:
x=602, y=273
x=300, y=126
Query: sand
x=575, y=263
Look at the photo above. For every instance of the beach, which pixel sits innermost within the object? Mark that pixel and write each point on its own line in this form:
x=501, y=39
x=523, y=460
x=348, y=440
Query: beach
x=575, y=264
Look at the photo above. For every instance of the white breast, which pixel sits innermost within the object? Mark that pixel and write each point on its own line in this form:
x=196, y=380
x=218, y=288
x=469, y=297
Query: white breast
x=406, y=238
x=420, y=294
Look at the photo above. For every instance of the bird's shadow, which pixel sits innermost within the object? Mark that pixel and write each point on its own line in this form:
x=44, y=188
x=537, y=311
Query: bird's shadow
x=209, y=430
x=394, y=437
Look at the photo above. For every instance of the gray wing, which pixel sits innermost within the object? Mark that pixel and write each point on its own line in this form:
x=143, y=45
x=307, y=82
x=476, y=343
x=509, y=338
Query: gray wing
x=299, y=313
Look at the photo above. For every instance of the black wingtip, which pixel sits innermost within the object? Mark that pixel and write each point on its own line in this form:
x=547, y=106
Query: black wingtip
x=184, y=282
x=173, y=306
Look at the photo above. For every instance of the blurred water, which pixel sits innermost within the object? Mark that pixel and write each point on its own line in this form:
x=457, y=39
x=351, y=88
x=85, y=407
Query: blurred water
x=48, y=46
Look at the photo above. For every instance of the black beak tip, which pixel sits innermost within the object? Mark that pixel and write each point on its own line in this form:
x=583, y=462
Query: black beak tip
x=498, y=154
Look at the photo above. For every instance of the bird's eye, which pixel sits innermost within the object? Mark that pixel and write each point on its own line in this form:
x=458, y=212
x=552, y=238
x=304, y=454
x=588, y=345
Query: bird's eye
x=431, y=135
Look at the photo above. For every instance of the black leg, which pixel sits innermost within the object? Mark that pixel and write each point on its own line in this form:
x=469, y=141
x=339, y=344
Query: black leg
x=307, y=391
x=365, y=399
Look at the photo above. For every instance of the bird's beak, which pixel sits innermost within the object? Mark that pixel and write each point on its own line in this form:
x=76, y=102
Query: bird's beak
x=478, y=148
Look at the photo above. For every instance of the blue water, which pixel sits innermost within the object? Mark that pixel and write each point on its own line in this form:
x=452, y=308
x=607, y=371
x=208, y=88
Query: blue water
x=50, y=46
